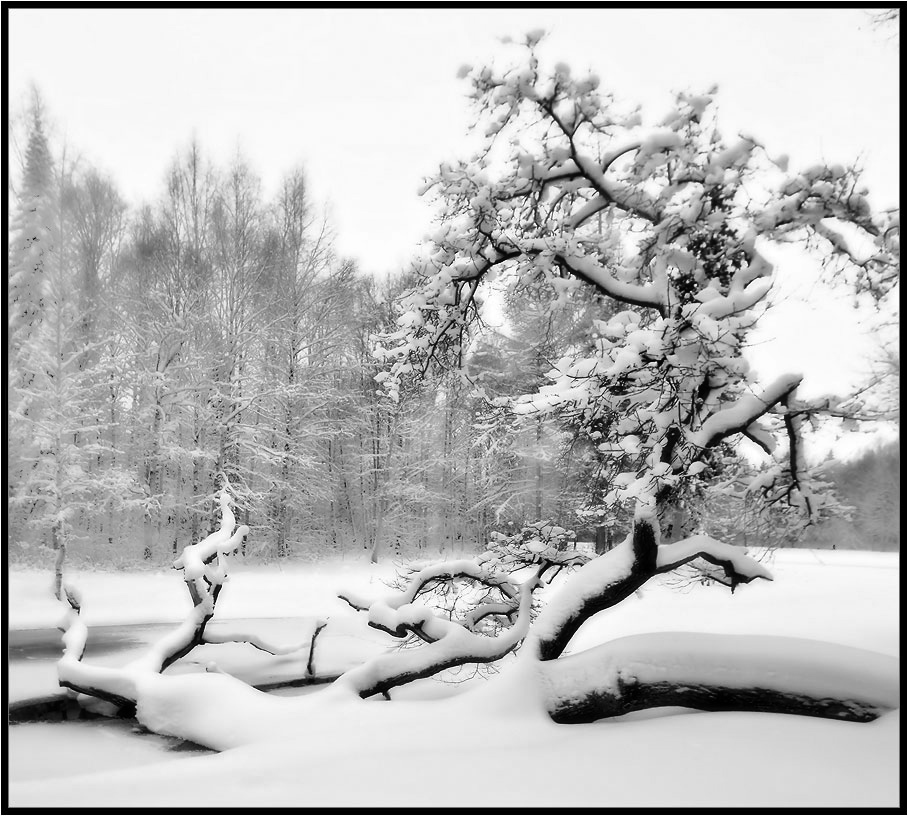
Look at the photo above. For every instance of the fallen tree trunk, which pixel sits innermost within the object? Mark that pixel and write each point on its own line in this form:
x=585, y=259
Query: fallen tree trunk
x=721, y=673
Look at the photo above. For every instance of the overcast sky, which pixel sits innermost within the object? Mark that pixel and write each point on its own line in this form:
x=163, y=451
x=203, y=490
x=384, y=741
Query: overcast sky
x=368, y=102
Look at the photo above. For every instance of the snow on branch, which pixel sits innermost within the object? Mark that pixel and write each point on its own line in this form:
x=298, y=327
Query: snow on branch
x=448, y=643
x=760, y=437
x=201, y=562
x=444, y=570
x=739, y=567
x=609, y=579
x=589, y=270
x=204, y=572
x=597, y=585
x=741, y=414
x=263, y=644
x=505, y=609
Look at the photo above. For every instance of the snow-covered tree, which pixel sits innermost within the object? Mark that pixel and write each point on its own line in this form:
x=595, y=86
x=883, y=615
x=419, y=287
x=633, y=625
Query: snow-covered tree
x=62, y=345
x=303, y=306
x=669, y=220
x=31, y=242
x=52, y=395
x=170, y=269
x=673, y=223
x=31, y=233
x=685, y=219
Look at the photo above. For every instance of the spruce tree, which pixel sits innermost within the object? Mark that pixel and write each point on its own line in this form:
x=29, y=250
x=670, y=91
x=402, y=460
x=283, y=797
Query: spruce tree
x=31, y=235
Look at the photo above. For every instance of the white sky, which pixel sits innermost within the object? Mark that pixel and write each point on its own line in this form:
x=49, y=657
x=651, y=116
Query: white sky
x=368, y=102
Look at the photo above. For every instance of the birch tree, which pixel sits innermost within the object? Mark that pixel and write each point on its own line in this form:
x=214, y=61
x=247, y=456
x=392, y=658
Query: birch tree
x=304, y=302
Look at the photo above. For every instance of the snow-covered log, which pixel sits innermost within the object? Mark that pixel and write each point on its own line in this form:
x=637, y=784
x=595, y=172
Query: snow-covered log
x=709, y=672
x=721, y=673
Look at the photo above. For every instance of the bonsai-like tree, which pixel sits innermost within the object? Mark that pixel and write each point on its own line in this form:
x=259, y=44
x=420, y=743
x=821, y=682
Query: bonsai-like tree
x=675, y=223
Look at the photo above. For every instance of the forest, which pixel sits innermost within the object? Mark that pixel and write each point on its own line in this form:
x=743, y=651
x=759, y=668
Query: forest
x=218, y=332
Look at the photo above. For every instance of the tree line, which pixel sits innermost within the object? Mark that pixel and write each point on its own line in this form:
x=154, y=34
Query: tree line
x=216, y=334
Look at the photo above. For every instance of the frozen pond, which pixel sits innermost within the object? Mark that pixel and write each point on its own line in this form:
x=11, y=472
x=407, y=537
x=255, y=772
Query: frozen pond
x=46, y=750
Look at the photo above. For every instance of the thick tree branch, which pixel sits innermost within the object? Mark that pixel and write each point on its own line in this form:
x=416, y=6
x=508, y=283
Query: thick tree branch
x=589, y=270
x=599, y=584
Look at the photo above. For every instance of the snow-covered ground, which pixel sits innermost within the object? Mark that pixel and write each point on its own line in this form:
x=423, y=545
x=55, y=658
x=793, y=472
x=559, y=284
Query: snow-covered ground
x=485, y=747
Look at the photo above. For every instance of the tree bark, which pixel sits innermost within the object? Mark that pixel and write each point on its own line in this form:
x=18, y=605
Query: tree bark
x=629, y=697
x=644, y=547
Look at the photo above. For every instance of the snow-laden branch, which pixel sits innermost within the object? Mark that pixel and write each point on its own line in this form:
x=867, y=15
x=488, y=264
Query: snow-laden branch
x=738, y=565
x=448, y=644
x=505, y=609
x=195, y=559
x=589, y=270
x=736, y=302
x=263, y=644
x=760, y=437
x=442, y=571
x=204, y=573
x=611, y=156
x=609, y=579
x=597, y=585
x=633, y=200
x=740, y=415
